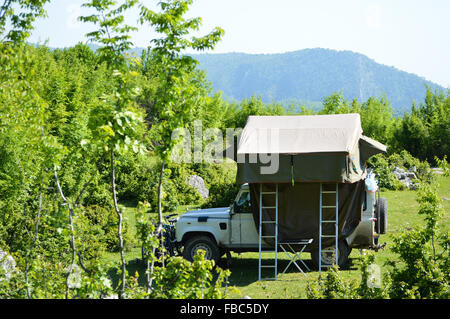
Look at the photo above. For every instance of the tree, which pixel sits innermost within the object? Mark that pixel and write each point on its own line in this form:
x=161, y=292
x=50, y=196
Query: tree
x=18, y=16
x=175, y=99
x=335, y=104
x=116, y=120
x=377, y=119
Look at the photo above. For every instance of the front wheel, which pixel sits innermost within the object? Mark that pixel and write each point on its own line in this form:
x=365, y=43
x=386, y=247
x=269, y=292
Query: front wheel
x=329, y=257
x=205, y=243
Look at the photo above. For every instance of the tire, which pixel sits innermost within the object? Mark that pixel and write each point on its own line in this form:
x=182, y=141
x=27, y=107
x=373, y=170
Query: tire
x=194, y=244
x=381, y=214
x=343, y=251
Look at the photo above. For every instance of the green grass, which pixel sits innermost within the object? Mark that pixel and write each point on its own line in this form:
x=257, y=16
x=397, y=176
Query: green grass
x=402, y=216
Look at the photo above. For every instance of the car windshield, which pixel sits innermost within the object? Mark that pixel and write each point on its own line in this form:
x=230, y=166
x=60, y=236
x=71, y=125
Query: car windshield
x=245, y=197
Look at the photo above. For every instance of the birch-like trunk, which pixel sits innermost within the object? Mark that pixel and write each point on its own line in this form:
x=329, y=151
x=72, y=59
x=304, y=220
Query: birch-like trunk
x=160, y=225
x=72, y=243
x=119, y=233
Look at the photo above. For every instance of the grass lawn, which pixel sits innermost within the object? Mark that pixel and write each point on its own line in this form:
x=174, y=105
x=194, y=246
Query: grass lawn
x=402, y=215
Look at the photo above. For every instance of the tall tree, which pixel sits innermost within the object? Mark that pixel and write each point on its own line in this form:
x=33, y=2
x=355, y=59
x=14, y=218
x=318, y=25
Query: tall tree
x=175, y=98
x=17, y=17
x=116, y=120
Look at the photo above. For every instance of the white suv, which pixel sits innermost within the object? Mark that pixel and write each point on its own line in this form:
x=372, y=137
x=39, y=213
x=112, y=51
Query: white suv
x=220, y=230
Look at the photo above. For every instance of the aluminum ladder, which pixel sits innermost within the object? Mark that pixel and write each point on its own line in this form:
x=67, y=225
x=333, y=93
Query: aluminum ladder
x=327, y=193
x=275, y=236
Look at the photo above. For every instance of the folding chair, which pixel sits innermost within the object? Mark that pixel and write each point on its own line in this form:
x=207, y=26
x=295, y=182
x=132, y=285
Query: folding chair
x=294, y=256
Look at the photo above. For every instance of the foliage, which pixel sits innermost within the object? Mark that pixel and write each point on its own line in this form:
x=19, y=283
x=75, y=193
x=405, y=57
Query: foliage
x=384, y=165
x=220, y=180
x=82, y=116
x=174, y=98
x=421, y=270
x=443, y=164
x=334, y=287
x=17, y=17
x=425, y=132
x=183, y=279
x=98, y=231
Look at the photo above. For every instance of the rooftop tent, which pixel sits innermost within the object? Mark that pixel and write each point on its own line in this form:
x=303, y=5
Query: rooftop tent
x=311, y=150
x=307, y=148
x=369, y=147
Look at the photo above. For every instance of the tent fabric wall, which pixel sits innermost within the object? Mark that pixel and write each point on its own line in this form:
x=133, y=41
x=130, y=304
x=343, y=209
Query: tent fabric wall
x=311, y=149
x=298, y=210
x=320, y=167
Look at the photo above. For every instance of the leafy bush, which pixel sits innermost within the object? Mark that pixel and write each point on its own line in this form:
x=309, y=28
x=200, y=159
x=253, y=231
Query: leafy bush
x=220, y=180
x=183, y=279
x=139, y=177
x=104, y=222
x=407, y=161
x=422, y=269
x=334, y=287
x=443, y=164
x=383, y=166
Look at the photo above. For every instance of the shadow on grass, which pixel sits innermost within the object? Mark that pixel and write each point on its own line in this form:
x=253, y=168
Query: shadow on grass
x=244, y=271
x=133, y=267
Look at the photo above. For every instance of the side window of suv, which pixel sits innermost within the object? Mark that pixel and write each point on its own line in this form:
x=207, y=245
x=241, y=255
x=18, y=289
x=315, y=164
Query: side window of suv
x=244, y=203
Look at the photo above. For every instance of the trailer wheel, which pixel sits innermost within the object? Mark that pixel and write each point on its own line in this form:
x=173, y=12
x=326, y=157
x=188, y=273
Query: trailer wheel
x=381, y=213
x=327, y=257
x=197, y=243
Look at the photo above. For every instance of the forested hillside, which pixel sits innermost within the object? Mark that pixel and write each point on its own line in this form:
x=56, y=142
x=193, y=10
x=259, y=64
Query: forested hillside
x=307, y=76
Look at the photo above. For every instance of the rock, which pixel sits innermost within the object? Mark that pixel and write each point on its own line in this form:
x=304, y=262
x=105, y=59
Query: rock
x=410, y=175
x=399, y=172
x=437, y=170
x=406, y=177
x=199, y=184
x=7, y=263
x=406, y=182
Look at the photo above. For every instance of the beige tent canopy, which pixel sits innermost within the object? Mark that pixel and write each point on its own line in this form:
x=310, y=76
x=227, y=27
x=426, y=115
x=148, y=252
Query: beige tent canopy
x=308, y=148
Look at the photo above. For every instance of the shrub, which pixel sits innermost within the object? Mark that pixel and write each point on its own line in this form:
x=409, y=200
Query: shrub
x=181, y=279
x=104, y=222
x=383, y=170
x=443, y=164
x=220, y=179
x=334, y=287
x=423, y=271
x=383, y=166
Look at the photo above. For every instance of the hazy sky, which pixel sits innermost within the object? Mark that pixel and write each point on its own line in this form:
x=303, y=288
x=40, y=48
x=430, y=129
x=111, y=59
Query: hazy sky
x=411, y=35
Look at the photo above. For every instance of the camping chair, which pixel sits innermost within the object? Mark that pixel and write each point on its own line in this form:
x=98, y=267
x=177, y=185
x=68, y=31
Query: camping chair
x=288, y=247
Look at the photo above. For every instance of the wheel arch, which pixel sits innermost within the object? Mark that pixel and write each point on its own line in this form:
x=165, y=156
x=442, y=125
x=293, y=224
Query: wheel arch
x=193, y=234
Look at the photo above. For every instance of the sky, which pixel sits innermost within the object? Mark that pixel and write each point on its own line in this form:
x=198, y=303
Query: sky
x=410, y=35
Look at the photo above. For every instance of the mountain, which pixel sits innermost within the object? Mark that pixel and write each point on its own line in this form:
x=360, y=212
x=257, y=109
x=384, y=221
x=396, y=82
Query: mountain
x=309, y=75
